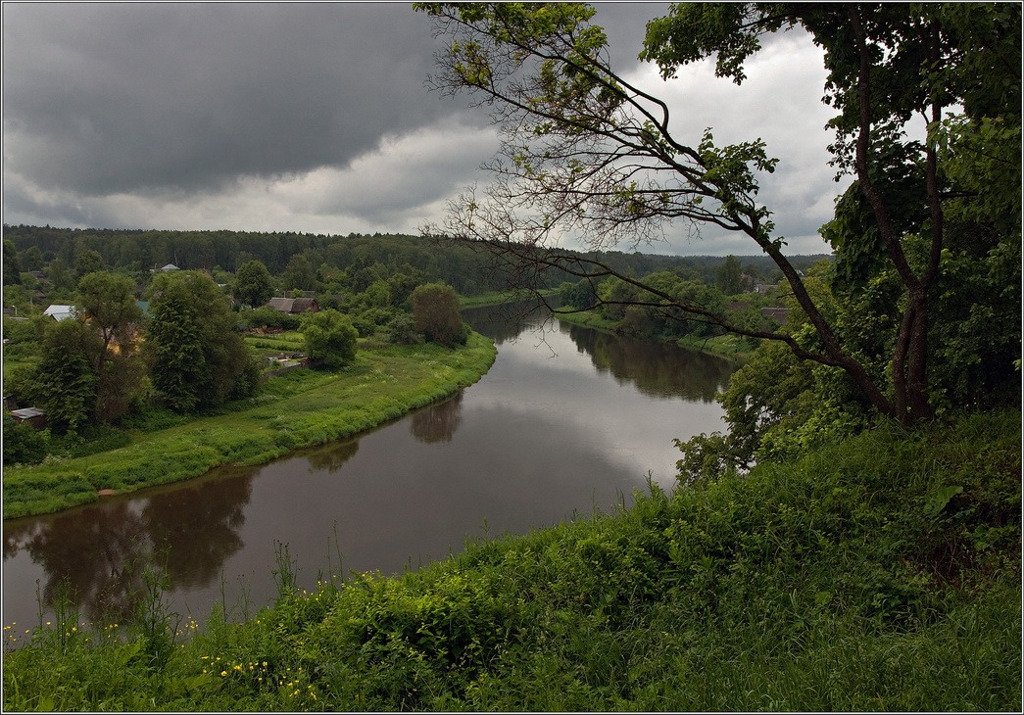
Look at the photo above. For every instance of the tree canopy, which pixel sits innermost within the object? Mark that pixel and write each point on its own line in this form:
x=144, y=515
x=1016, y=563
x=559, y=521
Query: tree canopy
x=330, y=338
x=198, y=358
x=435, y=307
x=253, y=285
x=587, y=153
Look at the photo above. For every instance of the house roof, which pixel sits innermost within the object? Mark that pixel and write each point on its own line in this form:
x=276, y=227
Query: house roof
x=292, y=305
x=27, y=413
x=60, y=312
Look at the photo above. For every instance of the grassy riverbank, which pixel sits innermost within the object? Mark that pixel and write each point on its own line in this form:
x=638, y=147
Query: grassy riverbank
x=730, y=347
x=485, y=300
x=880, y=574
x=299, y=409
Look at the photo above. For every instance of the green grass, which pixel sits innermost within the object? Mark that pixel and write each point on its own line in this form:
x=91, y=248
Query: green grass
x=302, y=408
x=483, y=300
x=879, y=574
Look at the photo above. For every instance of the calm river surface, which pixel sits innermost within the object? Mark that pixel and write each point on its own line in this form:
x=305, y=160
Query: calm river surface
x=566, y=421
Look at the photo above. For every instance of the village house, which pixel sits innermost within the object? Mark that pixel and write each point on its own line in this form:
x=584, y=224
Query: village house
x=294, y=306
x=61, y=312
x=777, y=314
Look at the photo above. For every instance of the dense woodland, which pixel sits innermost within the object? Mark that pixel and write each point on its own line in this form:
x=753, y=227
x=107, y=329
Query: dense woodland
x=305, y=261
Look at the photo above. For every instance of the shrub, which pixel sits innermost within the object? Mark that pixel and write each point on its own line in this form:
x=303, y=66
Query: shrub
x=23, y=443
x=330, y=338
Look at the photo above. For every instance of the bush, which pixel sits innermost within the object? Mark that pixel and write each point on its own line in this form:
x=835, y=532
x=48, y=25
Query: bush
x=23, y=443
x=402, y=330
x=330, y=339
x=266, y=317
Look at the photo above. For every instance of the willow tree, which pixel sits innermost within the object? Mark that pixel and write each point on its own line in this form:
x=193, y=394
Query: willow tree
x=585, y=152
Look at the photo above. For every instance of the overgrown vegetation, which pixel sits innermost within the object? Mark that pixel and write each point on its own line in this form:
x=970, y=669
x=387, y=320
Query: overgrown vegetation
x=879, y=574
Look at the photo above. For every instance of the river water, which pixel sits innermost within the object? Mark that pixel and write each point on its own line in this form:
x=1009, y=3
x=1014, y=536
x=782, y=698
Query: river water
x=567, y=421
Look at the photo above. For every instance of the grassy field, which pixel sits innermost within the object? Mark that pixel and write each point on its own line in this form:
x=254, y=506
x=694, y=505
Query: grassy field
x=881, y=574
x=299, y=409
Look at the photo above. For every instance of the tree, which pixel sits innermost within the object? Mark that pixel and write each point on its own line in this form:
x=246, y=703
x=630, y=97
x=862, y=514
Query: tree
x=88, y=261
x=197, y=358
x=586, y=152
x=65, y=379
x=330, y=339
x=435, y=306
x=106, y=303
x=12, y=264
x=729, y=276
x=299, y=273
x=253, y=285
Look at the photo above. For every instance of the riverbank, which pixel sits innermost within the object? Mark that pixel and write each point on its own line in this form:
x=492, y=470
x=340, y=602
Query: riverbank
x=493, y=298
x=302, y=408
x=882, y=573
x=729, y=347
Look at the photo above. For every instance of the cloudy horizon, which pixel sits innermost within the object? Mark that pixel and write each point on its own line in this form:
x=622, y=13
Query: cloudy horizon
x=315, y=118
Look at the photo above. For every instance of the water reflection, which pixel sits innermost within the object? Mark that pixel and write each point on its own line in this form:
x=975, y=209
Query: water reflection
x=655, y=368
x=100, y=552
x=332, y=456
x=437, y=423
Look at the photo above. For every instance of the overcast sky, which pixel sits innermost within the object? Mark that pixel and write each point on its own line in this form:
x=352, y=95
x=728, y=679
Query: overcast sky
x=314, y=117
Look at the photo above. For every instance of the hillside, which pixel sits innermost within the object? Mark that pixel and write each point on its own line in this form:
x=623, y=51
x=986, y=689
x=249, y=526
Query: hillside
x=883, y=573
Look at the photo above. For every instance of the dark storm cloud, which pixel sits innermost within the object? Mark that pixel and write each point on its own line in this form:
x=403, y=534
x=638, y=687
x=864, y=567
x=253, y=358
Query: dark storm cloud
x=122, y=98
x=306, y=117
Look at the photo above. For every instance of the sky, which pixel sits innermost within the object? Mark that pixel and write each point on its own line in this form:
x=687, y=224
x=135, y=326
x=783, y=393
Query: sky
x=315, y=117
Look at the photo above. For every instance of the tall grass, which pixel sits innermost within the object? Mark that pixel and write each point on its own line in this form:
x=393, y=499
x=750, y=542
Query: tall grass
x=880, y=574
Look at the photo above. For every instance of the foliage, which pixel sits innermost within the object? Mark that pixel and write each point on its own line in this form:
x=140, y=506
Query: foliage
x=253, y=285
x=878, y=574
x=11, y=264
x=729, y=277
x=65, y=383
x=435, y=306
x=23, y=443
x=401, y=330
x=197, y=358
x=299, y=273
x=106, y=303
x=330, y=339
x=581, y=295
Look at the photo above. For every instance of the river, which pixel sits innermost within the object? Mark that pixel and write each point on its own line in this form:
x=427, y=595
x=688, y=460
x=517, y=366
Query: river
x=567, y=421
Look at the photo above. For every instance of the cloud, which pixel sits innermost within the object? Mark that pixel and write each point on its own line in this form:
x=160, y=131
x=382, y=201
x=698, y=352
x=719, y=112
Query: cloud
x=779, y=102
x=315, y=117
x=105, y=98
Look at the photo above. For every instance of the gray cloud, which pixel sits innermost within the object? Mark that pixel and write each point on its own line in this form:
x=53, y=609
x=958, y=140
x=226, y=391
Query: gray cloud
x=306, y=117
x=111, y=98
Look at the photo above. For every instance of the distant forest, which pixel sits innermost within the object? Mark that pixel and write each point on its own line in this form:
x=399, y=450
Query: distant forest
x=363, y=257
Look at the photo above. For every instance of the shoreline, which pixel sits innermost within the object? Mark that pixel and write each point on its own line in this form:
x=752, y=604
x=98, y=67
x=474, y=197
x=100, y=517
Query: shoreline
x=701, y=345
x=382, y=385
